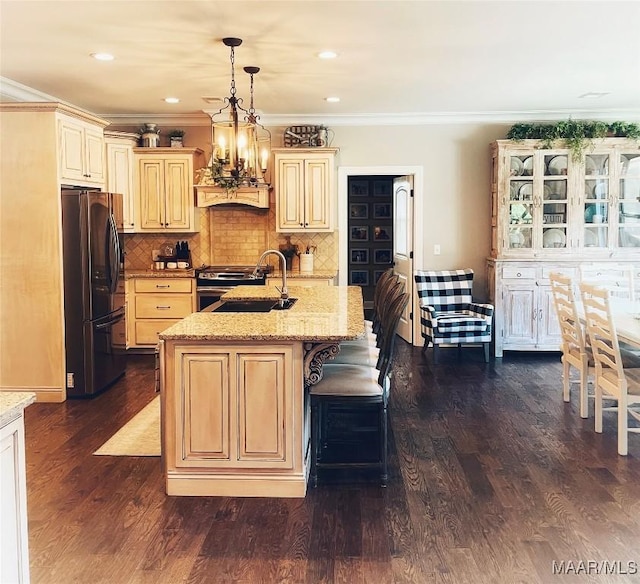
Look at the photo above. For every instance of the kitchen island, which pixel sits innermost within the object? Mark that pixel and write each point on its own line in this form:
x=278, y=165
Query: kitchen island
x=234, y=391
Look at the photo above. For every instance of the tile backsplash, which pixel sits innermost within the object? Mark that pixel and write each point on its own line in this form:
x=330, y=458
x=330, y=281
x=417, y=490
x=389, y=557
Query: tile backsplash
x=232, y=235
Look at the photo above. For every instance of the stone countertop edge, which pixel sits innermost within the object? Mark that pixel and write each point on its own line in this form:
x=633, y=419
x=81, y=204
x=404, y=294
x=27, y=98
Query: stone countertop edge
x=12, y=403
x=317, y=275
x=190, y=273
x=334, y=315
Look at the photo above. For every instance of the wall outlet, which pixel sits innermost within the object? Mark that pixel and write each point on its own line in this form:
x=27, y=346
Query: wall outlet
x=436, y=249
x=70, y=381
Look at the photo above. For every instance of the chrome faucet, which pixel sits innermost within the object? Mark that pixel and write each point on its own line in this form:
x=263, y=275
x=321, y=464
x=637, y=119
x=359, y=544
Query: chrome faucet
x=284, y=292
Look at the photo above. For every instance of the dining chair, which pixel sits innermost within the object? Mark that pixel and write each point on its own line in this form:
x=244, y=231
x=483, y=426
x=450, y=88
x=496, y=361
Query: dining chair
x=359, y=394
x=575, y=350
x=448, y=314
x=612, y=379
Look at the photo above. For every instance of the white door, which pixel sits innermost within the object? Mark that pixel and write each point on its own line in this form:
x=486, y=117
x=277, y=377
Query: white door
x=403, y=247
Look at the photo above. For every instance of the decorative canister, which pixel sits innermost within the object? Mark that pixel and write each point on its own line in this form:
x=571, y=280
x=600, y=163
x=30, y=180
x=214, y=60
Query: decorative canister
x=306, y=263
x=150, y=136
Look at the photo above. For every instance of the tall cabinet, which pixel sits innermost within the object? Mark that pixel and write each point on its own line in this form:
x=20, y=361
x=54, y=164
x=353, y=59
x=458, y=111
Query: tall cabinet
x=32, y=169
x=119, y=155
x=553, y=212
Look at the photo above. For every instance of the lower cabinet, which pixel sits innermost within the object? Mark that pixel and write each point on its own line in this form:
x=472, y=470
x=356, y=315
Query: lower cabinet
x=234, y=421
x=154, y=304
x=14, y=551
x=525, y=317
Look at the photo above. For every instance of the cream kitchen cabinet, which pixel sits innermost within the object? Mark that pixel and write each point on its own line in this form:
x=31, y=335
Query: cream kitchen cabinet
x=31, y=228
x=553, y=212
x=119, y=154
x=14, y=551
x=82, y=153
x=236, y=407
x=164, y=189
x=154, y=304
x=305, y=189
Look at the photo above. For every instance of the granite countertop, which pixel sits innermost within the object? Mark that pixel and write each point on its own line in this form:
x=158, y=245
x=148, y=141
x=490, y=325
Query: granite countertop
x=316, y=274
x=190, y=273
x=12, y=403
x=336, y=314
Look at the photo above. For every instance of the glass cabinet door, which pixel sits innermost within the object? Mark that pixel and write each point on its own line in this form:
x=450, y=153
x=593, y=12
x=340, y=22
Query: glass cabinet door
x=597, y=198
x=629, y=201
x=555, y=201
x=520, y=207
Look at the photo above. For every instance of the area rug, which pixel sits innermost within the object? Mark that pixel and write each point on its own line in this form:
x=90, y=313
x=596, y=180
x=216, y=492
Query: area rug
x=140, y=436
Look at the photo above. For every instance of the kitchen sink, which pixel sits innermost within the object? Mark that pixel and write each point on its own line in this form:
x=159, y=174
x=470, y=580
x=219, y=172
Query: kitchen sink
x=249, y=305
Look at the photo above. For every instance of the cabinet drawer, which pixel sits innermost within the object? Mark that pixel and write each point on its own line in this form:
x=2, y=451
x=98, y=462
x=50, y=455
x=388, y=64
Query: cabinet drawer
x=519, y=273
x=164, y=285
x=147, y=331
x=163, y=306
x=568, y=272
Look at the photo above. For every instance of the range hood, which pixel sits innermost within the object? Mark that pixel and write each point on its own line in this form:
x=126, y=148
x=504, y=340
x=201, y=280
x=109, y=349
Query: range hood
x=210, y=195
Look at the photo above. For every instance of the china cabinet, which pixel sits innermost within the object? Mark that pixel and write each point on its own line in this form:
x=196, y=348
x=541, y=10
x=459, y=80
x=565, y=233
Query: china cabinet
x=305, y=189
x=81, y=152
x=553, y=212
x=154, y=304
x=164, y=189
x=119, y=154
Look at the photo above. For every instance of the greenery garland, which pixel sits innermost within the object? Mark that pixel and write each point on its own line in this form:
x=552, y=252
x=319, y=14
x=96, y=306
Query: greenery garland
x=575, y=133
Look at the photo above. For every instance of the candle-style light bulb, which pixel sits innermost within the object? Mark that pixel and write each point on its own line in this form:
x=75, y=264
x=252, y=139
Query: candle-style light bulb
x=222, y=145
x=265, y=158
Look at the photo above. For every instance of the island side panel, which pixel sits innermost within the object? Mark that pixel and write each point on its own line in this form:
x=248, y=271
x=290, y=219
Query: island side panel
x=234, y=419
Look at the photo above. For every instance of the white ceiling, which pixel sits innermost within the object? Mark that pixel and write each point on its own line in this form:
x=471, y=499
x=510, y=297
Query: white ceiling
x=397, y=59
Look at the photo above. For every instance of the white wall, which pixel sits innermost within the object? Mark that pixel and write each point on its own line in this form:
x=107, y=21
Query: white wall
x=457, y=197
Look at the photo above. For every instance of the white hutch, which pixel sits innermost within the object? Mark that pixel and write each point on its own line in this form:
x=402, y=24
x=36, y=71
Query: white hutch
x=552, y=211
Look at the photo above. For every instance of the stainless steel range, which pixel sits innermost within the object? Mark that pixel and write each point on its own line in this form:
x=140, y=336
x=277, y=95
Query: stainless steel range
x=213, y=281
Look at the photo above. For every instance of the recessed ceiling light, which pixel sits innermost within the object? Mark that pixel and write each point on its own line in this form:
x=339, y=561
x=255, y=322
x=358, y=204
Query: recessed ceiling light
x=332, y=99
x=102, y=56
x=172, y=100
x=212, y=99
x=327, y=55
x=593, y=95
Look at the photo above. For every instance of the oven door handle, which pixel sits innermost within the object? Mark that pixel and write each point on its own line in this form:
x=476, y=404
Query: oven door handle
x=210, y=290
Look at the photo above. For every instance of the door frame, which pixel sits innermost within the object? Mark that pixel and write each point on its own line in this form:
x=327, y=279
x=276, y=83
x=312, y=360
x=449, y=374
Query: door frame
x=344, y=172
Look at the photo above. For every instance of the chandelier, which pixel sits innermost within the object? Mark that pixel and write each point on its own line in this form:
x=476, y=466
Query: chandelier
x=240, y=144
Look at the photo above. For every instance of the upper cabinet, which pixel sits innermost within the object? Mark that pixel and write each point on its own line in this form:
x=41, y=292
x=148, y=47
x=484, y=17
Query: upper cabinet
x=164, y=189
x=119, y=154
x=305, y=189
x=81, y=153
x=546, y=204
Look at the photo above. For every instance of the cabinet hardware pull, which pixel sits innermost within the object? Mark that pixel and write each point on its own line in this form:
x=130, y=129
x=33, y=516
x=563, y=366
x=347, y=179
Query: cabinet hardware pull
x=535, y=312
x=163, y=307
x=518, y=274
x=163, y=285
x=540, y=314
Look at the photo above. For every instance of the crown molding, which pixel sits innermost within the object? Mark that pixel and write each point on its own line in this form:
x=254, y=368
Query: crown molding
x=13, y=91
x=441, y=118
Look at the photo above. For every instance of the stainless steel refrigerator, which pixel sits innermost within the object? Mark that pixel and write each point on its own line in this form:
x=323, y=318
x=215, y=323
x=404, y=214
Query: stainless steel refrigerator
x=93, y=303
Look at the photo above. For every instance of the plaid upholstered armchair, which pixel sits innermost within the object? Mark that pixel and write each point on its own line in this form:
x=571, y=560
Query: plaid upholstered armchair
x=448, y=314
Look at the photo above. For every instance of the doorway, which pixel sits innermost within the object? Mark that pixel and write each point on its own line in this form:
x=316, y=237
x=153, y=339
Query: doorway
x=369, y=233
x=347, y=175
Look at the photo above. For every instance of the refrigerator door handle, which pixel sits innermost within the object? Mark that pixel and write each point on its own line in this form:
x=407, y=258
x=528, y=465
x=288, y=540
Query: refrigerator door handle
x=113, y=255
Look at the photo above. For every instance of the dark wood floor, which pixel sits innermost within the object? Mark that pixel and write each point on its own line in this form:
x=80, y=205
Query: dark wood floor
x=493, y=478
